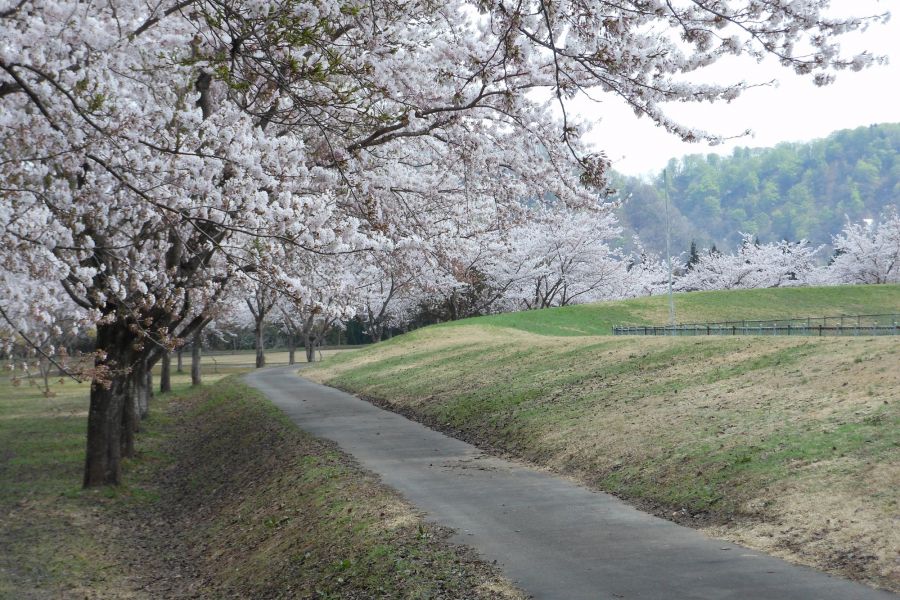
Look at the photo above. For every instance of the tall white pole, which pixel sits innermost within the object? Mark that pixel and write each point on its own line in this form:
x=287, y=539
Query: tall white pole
x=669, y=255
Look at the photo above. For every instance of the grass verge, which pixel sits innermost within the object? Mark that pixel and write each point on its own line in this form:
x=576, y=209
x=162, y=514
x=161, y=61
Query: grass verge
x=787, y=445
x=773, y=303
x=226, y=499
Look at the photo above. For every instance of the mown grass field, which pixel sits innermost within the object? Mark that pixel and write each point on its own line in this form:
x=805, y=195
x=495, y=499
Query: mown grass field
x=788, y=445
x=777, y=303
x=226, y=498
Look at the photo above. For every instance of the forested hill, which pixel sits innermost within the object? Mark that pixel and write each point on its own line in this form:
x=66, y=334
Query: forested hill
x=791, y=191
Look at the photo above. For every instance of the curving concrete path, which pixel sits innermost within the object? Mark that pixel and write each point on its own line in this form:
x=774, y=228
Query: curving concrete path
x=553, y=538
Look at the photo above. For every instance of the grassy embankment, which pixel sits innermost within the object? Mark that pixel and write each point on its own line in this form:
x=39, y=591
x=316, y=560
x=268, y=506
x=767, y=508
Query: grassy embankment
x=788, y=445
x=226, y=499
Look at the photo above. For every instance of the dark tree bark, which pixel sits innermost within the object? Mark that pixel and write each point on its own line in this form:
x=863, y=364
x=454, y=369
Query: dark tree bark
x=314, y=332
x=165, y=375
x=129, y=420
x=140, y=379
x=107, y=419
x=376, y=320
x=149, y=389
x=453, y=307
x=292, y=330
x=260, y=349
x=262, y=301
x=292, y=348
x=180, y=367
x=196, y=374
x=136, y=405
x=310, y=346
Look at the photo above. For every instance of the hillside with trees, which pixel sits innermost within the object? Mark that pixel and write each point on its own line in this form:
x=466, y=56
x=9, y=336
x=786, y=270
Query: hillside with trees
x=790, y=192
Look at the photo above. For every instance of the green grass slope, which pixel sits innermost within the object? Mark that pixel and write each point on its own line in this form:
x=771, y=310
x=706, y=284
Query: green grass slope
x=777, y=303
x=788, y=445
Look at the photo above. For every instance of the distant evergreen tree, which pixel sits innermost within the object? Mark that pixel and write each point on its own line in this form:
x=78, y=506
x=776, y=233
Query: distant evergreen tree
x=355, y=332
x=693, y=255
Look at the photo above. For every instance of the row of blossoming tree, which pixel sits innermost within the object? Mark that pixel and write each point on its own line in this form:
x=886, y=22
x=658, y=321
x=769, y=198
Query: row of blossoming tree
x=556, y=259
x=559, y=259
x=571, y=258
x=157, y=156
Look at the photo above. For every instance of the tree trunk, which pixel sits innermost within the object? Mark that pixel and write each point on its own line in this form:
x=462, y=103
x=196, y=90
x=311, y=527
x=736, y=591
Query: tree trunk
x=260, y=351
x=109, y=397
x=129, y=420
x=149, y=390
x=44, y=368
x=310, y=345
x=196, y=375
x=180, y=368
x=165, y=376
x=141, y=391
x=292, y=349
x=454, y=311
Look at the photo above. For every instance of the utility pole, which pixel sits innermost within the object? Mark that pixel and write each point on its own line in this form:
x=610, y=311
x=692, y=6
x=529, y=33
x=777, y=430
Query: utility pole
x=669, y=254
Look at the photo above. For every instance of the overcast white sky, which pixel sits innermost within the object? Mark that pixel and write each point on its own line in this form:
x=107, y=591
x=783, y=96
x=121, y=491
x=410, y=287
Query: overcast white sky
x=796, y=110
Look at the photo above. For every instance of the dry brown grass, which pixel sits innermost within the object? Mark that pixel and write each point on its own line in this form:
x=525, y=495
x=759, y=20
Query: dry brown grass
x=787, y=445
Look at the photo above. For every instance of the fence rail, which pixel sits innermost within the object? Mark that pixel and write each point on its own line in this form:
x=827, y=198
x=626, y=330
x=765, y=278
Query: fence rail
x=844, y=325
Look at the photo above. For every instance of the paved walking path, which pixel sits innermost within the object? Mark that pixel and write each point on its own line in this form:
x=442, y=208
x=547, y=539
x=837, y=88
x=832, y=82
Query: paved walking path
x=555, y=539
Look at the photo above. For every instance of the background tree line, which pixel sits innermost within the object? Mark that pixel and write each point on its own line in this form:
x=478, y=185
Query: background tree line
x=791, y=192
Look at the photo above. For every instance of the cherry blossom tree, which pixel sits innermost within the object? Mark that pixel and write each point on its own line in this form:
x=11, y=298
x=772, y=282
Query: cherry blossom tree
x=647, y=274
x=139, y=177
x=388, y=282
x=260, y=302
x=38, y=344
x=559, y=258
x=152, y=153
x=321, y=291
x=283, y=315
x=460, y=281
x=754, y=265
x=866, y=253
